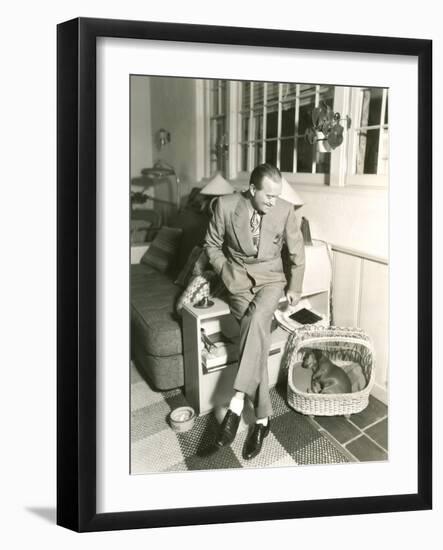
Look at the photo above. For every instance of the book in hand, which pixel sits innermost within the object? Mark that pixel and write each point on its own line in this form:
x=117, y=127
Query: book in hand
x=305, y=317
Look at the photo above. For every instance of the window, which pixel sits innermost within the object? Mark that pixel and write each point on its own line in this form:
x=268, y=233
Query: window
x=273, y=119
x=253, y=122
x=369, y=137
x=219, y=147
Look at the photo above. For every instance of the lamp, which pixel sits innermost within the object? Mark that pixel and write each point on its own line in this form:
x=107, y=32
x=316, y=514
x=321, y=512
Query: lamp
x=214, y=188
x=162, y=137
x=217, y=186
x=161, y=170
x=289, y=194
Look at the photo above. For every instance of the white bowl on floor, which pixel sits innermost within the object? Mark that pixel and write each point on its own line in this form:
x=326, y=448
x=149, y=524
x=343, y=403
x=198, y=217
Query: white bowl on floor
x=182, y=419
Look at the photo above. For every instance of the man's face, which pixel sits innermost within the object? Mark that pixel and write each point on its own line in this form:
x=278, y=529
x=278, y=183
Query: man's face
x=264, y=199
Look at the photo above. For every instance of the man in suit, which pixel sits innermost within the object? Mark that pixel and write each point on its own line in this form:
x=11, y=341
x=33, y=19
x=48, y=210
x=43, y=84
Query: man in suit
x=244, y=244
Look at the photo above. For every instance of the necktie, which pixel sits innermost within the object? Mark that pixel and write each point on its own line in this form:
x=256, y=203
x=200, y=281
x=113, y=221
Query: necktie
x=255, y=228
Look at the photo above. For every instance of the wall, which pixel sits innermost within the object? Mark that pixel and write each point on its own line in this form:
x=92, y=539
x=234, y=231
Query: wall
x=141, y=133
x=351, y=217
x=354, y=218
x=173, y=103
x=360, y=298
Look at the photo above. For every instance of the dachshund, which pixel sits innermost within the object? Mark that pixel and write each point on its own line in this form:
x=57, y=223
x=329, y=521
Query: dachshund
x=326, y=377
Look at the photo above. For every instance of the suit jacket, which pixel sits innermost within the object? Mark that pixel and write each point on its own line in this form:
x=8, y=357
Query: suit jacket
x=232, y=254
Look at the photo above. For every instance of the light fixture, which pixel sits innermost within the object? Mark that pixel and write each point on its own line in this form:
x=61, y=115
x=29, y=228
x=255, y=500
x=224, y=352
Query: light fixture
x=290, y=195
x=217, y=186
x=161, y=169
x=162, y=137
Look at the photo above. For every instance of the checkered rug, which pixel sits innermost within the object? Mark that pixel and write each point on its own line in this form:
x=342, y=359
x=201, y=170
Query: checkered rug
x=155, y=447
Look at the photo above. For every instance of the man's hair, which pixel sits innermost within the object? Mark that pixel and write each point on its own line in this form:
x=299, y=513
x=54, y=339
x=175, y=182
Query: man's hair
x=264, y=170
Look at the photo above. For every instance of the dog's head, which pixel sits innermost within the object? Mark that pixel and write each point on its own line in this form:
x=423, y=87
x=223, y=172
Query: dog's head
x=311, y=359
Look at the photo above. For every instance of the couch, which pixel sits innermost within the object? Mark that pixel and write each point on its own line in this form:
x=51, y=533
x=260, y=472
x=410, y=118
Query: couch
x=156, y=335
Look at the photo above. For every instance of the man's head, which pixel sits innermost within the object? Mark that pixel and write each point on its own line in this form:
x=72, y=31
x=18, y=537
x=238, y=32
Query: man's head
x=265, y=186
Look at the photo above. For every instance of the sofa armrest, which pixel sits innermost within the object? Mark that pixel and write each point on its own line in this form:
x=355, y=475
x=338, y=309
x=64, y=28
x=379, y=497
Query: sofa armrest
x=137, y=251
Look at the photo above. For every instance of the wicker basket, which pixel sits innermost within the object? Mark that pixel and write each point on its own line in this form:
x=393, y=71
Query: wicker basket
x=348, y=344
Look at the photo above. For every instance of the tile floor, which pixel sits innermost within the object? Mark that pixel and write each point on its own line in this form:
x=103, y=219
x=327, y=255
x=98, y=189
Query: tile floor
x=364, y=436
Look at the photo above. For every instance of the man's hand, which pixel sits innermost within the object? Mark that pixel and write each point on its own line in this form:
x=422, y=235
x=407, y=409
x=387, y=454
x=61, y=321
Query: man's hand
x=293, y=297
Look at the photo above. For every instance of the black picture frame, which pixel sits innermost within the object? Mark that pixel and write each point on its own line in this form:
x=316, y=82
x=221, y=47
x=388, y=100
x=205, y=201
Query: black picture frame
x=76, y=273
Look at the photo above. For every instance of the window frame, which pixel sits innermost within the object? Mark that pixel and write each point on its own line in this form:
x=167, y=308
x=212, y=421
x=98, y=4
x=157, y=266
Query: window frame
x=292, y=177
x=366, y=180
x=342, y=158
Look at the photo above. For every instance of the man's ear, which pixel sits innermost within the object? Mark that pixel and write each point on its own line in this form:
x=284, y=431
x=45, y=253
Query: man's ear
x=252, y=189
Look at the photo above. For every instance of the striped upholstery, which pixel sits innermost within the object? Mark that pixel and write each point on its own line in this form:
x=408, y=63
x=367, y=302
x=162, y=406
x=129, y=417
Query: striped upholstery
x=208, y=284
x=163, y=250
x=197, y=289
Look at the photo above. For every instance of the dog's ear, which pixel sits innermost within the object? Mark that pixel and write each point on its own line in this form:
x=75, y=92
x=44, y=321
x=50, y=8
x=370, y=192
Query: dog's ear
x=318, y=353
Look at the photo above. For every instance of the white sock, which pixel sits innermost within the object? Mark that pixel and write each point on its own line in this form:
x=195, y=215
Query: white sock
x=236, y=404
x=263, y=421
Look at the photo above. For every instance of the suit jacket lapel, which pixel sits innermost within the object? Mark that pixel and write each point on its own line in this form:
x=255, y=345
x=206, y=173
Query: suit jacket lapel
x=240, y=222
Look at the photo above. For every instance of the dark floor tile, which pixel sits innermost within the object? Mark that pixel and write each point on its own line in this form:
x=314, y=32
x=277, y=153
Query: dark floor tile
x=200, y=439
x=379, y=433
x=278, y=400
x=373, y=412
x=294, y=431
x=365, y=450
x=339, y=427
x=215, y=459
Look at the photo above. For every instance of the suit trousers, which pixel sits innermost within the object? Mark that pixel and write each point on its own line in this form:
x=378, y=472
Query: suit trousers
x=254, y=310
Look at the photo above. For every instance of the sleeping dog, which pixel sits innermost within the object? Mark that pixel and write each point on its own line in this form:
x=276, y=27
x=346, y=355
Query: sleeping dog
x=326, y=377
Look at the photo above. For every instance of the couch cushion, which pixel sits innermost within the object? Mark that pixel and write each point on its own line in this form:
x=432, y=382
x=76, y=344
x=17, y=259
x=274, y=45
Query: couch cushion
x=158, y=333
x=162, y=373
x=154, y=323
x=152, y=290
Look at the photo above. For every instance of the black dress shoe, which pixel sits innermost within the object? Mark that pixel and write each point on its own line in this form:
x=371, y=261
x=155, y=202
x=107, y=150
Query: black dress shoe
x=228, y=429
x=255, y=440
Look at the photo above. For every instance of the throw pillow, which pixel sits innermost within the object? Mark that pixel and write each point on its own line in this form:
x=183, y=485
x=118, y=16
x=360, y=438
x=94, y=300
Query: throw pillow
x=163, y=250
x=195, y=265
x=206, y=284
